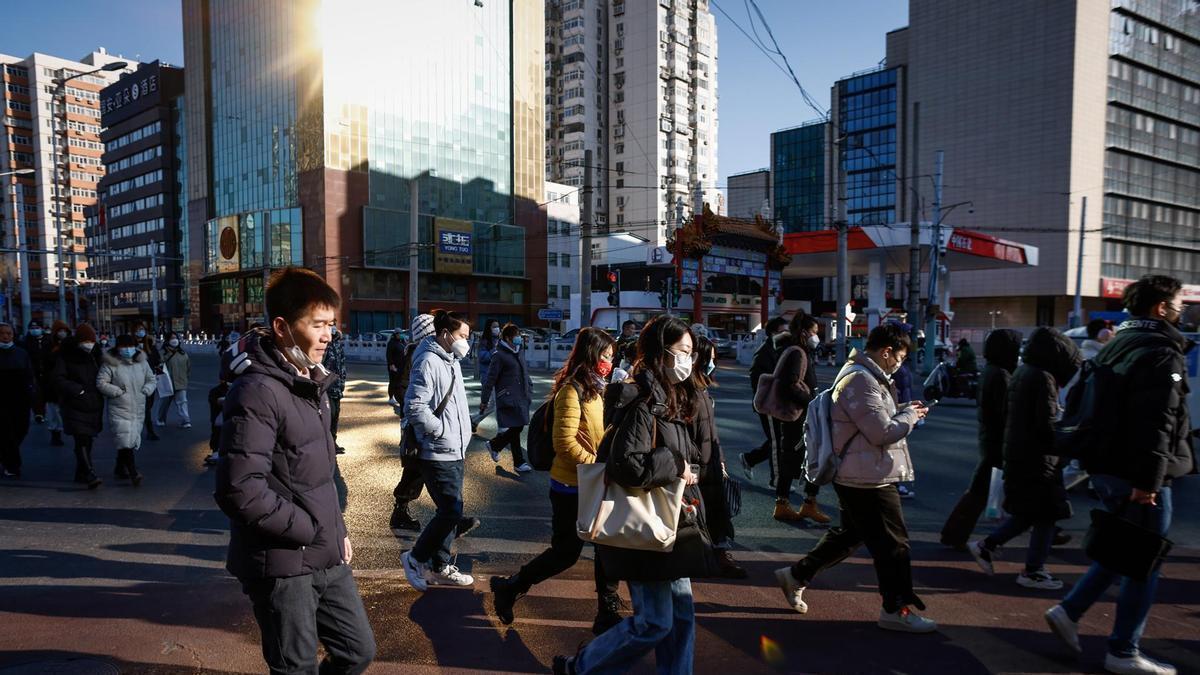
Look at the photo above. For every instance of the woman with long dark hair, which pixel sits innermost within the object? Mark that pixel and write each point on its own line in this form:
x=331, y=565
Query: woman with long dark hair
x=652, y=447
x=578, y=426
x=712, y=460
x=508, y=379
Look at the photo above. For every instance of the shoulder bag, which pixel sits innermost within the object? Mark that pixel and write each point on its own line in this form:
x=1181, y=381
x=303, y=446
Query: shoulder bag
x=771, y=398
x=409, y=447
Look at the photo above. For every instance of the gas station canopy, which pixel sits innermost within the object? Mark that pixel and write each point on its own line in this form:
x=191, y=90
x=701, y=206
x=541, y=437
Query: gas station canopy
x=814, y=254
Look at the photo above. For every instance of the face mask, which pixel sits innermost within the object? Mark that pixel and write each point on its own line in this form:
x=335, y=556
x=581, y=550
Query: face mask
x=234, y=337
x=814, y=341
x=104, y=342
x=296, y=354
x=495, y=330
x=87, y=346
x=682, y=369
x=35, y=332
x=460, y=349
x=173, y=342
x=62, y=334
x=894, y=368
x=6, y=345
x=604, y=368
x=140, y=334
x=712, y=365
x=127, y=352
x=518, y=341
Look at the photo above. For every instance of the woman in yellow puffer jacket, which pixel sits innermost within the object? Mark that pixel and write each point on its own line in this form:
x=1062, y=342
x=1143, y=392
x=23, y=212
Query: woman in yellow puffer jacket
x=578, y=395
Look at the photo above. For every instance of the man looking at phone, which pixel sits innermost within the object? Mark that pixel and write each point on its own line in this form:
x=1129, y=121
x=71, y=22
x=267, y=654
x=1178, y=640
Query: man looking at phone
x=870, y=427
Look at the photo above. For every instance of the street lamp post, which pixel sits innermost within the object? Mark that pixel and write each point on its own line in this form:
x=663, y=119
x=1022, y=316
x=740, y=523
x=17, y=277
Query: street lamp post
x=22, y=256
x=60, y=88
x=993, y=314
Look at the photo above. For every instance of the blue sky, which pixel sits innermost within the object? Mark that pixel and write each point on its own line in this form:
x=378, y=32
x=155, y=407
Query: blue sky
x=823, y=41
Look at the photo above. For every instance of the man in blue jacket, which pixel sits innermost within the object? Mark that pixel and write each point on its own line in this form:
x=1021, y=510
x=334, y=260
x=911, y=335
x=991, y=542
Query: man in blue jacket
x=288, y=543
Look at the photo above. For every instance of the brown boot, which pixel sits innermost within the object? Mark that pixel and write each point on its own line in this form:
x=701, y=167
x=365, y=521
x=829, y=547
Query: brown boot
x=729, y=567
x=784, y=512
x=813, y=512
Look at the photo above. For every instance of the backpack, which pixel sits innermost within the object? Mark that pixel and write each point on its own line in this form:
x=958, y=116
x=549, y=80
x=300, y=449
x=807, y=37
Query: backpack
x=540, y=442
x=1091, y=413
x=820, y=461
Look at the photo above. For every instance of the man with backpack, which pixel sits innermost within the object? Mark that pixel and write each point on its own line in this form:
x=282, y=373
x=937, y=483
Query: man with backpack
x=865, y=454
x=1133, y=460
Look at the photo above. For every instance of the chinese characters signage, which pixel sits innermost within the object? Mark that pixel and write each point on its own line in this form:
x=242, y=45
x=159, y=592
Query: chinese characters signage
x=128, y=91
x=453, y=246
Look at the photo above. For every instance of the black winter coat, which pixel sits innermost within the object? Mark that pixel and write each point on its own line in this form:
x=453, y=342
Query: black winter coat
x=1154, y=444
x=650, y=450
x=18, y=388
x=74, y=384
x=712, y=480
x=1002, y=349
x=277, y=461
x=508, y=380
x=1033, y=483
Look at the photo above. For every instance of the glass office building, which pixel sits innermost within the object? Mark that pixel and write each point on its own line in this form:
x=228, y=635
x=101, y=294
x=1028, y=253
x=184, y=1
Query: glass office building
x=798, y=163
x=867, y=120
x=322, y=114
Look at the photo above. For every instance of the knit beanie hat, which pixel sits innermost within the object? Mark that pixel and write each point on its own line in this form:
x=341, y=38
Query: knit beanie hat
x=422, y=327
x=85, y=333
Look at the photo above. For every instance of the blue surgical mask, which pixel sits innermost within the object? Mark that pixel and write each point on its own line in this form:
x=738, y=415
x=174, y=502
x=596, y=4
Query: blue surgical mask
x=712, y=365
x=140, y=334
x=127, y=352
x=6, y=345
x=35, y=332
x=518, y=341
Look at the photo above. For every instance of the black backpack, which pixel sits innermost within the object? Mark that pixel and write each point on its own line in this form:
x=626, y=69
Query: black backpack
x=1091, y=413
x=540, y=441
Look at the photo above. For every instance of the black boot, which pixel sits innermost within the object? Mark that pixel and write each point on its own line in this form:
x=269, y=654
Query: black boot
x=607, y=613
x=134, y=474
x=121, y=471
x=56, y=439
x=402, y=519
x=505, y=593
x=93, y=481
x=81, y=463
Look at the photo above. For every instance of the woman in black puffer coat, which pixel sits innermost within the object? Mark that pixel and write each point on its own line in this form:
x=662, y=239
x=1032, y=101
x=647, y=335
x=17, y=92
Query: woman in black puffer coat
x=74, y=381
x=1002, y=350
x=1034, y=496
x=649, y=444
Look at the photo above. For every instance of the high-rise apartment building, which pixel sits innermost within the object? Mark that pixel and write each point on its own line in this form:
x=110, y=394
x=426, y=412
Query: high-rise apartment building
x=563, y=245
x=749, y=194
x=137, y=233
x=310, y=121
x=37, y=131
x=1038, y=106
x=636, y=83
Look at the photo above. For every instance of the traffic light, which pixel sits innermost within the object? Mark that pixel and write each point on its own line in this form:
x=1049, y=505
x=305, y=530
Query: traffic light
x=674, y=294
x=613, y=298
x=662, y=294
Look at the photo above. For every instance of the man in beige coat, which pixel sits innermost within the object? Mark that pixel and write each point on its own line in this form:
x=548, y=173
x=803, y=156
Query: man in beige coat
x=869, y=431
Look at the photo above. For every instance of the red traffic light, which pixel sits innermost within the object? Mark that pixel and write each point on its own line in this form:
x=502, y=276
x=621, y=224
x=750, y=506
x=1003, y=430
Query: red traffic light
x=612, y=277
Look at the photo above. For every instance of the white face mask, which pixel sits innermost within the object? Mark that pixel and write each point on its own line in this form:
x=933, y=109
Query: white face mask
x=460, y=348
x=87, y=346
x=682, y=369
x=495, y=330
x=173, y=342
x=296, y=354
x=814, y=341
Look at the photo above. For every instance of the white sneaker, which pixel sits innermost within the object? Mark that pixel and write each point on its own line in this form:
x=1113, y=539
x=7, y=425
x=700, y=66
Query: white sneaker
x=159, y=423
x=1040, y=580
x=449, y=576
x=747, y=468
x=982, y=556
x=392, y=402
x=524, y=468
x=1137, y=664
x=906, y=621
x=493, y=452
x=415, y=572
x=186, y=425
x=212, y=459
x=792, y=590
x=1062, y=626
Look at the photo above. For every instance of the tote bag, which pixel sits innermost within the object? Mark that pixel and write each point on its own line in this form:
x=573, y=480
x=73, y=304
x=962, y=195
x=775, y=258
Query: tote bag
x=165, y=386
x=621, y=517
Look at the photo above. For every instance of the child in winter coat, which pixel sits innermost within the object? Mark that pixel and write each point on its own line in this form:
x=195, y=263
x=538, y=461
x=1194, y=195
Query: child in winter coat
x=127, y=381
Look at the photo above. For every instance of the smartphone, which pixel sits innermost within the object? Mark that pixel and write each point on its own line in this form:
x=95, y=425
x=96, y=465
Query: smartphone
x=932, y=403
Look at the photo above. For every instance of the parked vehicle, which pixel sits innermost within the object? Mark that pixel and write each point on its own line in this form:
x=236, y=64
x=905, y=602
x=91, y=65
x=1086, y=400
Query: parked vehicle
x=726, y=347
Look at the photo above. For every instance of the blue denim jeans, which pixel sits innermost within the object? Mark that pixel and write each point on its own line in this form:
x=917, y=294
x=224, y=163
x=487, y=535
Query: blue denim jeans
x=664, y=620
x=444, y=481
x=1040, y=539
x=1135, y=597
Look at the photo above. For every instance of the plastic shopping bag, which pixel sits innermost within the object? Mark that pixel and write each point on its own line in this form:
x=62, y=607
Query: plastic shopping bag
x=994, y=509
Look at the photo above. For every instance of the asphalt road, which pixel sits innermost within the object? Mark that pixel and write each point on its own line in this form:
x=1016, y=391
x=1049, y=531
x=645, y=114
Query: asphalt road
x=132, y=579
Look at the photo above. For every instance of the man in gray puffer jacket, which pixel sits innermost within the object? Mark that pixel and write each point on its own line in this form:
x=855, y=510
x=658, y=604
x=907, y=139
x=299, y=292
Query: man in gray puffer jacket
x=288, y=543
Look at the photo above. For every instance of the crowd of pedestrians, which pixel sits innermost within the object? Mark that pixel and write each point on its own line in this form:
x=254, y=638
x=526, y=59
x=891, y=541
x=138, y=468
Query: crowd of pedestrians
x=639, y=408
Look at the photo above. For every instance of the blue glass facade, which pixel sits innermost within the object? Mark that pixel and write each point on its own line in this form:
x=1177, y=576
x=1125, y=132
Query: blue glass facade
x=867, y=118
x=798, y=177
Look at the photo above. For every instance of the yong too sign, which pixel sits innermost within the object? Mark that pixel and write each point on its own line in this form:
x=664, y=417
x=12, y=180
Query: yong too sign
x=1114, y=288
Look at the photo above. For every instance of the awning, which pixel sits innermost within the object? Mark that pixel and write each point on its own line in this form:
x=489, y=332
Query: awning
x=814, y=254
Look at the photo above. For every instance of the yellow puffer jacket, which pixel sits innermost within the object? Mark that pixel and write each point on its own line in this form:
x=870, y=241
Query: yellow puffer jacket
x=577, y=433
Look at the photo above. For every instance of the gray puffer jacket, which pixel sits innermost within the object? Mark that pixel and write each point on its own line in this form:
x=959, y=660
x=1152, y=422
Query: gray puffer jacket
x=126, y=383
x=434, y=372
x=868, y=425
